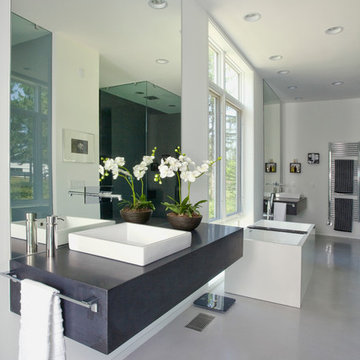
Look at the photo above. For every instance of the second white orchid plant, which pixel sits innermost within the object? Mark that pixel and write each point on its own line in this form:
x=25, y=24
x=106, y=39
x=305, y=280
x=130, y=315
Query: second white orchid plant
x=117, y=168
x=186, y=170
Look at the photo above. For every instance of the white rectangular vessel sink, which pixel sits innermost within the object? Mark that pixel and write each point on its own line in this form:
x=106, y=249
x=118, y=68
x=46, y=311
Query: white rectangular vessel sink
x=70, y=224
x=132, y=243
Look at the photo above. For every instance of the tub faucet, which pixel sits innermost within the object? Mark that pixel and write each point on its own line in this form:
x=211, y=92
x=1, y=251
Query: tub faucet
x=270, y=204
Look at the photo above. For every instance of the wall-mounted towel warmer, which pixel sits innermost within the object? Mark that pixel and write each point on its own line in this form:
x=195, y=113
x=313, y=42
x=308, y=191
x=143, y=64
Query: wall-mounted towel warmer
x=90, y=303
x=343, y=151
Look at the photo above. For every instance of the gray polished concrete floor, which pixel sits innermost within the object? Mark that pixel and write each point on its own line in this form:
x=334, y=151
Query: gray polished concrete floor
x=326, y=327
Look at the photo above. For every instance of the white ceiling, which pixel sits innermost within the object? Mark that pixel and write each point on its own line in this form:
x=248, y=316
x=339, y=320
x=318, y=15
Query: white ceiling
x=295, y=30
x=128, y=34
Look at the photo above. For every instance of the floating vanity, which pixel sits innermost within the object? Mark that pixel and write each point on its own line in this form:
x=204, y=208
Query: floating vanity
x=129, y=297
x=277, y=264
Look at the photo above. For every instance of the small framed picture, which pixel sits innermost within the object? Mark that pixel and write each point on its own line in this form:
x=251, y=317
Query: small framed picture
x=313, y=158
x=270, y=167
x=295, y=168
x=78, y=146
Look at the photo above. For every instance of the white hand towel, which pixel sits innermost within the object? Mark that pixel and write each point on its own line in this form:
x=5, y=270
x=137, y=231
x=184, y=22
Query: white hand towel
x=279, y=211
x=41, y=324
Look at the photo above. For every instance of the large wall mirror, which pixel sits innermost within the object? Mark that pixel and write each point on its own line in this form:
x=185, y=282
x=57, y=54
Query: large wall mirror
x=108, y=72
x=272, y=141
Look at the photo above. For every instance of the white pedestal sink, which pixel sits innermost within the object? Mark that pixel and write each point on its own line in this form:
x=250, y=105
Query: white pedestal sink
x=70, y=223
x=132, y=243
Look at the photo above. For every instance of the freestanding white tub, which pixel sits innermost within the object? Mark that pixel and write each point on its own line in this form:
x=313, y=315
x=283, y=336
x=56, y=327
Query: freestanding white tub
x=276, y=265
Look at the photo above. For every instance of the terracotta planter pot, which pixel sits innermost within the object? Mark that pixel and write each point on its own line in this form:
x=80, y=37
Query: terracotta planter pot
x=140, y=216
x=183, y=222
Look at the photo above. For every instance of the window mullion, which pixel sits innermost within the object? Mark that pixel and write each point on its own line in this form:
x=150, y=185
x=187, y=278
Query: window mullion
x=222, y=183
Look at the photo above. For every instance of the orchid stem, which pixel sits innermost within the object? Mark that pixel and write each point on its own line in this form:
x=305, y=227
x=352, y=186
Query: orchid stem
x=178, y=176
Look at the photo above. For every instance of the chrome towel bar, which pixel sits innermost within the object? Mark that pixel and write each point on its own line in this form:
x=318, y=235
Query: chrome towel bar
x=90, y=303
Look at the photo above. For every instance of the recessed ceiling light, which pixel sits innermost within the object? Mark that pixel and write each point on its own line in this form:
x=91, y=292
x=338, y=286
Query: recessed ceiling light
x=252, y=17
x=26, y=68
x=275, y=57
x=335, y=83
x=283, y=72
x=139, y=92
x=334, y=30
x=158, y=4
x=292, y=87
x=162, y=61
x=298, y=98
x=171, y=105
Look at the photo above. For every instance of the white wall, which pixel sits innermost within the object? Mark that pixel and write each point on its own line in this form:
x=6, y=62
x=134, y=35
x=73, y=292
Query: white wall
x=194, y=98
x=309, y=127
x=75, y=107
x=272, y=139
x=258, y=148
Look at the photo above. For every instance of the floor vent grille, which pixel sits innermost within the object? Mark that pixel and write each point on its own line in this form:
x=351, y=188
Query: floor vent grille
x=200, y=322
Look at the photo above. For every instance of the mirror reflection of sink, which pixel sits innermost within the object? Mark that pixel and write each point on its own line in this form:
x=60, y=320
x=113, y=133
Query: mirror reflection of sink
x=132, y=243
x=70, y=224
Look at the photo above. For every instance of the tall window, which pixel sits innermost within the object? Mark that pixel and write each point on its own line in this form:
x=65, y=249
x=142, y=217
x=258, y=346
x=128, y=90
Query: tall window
x=224, y=132
x=213, y=152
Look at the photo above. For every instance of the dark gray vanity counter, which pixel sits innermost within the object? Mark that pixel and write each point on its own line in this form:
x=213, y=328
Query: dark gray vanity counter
x=130, y=297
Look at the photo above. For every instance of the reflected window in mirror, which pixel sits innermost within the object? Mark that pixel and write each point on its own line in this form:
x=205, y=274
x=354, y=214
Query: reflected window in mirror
x=30, y=120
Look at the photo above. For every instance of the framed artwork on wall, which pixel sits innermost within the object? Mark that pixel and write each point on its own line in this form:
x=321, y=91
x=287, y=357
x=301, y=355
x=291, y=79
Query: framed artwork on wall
x=270, y=167
x=313, y=158
x=295, y=168
x=78, y=146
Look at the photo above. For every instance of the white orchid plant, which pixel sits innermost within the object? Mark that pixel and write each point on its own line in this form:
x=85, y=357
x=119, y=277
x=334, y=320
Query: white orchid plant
x=116, y=167
x=187, y=171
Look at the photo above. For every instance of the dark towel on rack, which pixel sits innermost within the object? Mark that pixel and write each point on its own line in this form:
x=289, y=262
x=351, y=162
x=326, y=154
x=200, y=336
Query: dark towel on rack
x=344, y=176
x=343, y=214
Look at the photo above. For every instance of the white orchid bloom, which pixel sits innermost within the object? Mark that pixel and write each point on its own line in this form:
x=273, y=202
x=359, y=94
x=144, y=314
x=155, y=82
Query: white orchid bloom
x=143, y=165
x=174, y=163
x=101, y=170
x=120, y=161
x=165, y=171
x=115, y=172
x=184, y=166
x=139, y=171
x=148, y=159
x=203, y=168
x=188, y=176
x=108, y=164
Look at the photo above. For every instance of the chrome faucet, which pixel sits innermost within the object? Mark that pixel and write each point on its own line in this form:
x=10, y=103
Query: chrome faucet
x=51, y=226
x=31, y=233
x=270, y=204
x=97, y=194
